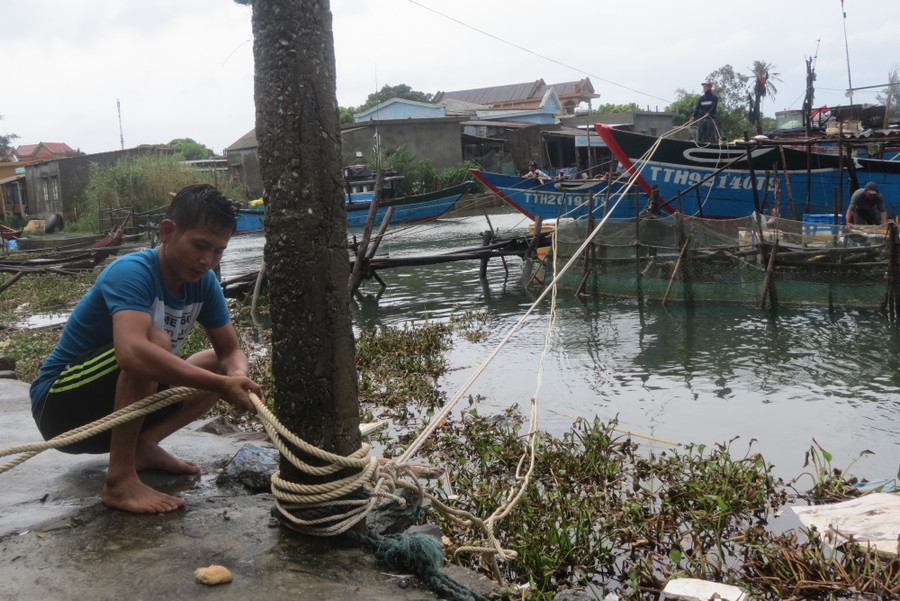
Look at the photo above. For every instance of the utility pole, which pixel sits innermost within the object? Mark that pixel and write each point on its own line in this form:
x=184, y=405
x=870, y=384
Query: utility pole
x=121, y=135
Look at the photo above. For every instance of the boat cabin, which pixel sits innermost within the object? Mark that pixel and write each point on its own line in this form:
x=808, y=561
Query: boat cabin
x=359, y=183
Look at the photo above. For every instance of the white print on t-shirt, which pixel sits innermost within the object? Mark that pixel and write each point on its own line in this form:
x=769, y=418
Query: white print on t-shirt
x=176, y=322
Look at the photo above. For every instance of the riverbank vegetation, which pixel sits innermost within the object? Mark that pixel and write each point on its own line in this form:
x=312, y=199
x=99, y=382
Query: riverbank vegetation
x=600, y=510
x=142, y=183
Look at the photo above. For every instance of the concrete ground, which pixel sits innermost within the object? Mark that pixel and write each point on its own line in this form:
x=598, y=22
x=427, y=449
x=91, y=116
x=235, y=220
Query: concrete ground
x=58, y=542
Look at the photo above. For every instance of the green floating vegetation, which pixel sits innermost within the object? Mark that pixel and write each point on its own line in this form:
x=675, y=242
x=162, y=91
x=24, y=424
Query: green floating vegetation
x=398, y=367
x=601, y=514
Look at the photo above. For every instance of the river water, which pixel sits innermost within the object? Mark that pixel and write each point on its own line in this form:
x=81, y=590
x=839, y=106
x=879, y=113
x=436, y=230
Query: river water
x=704, y=373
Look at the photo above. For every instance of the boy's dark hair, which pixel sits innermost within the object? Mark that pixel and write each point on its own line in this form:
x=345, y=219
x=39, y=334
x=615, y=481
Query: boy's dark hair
x=201, y=205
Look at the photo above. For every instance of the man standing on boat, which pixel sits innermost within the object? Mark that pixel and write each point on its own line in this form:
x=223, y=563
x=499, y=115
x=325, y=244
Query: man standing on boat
x=705, y=111
x=534, y=172
x=866, y=207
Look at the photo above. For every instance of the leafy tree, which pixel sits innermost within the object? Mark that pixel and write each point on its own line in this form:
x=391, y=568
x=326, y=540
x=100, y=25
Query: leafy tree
x=190, y=150
x=6, y=142
x=731, y=87
x=731, y=113
x=456, y=175
x=347, y=115
x=609, y=108
x=418, y=175
x=760, y=86
x=387, y=92
x=683, y=107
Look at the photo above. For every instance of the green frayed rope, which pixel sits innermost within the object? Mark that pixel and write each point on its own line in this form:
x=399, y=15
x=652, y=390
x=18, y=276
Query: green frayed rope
x=421, y=555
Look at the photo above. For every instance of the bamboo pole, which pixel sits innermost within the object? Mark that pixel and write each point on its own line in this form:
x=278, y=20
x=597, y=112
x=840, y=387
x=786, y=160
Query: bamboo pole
x=675, y=270
x=768, y=289
x=787, y=183
x=528, y=267
x=12, y=280
x=356, y=275
x=589, y=248
x=890, y=303
x=381, y=230
x=637, y=247
x=752, y=174
x=808, y=174
x=491, y=227
x=486, y=238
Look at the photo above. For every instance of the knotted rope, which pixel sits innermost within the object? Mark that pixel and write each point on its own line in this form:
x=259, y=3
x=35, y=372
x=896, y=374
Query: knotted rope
x=419, y=554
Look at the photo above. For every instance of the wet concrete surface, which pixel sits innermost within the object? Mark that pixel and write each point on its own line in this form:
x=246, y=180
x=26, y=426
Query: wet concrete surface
x=57, y=541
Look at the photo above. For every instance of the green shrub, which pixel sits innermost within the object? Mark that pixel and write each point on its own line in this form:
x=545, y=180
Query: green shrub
x=140, y=182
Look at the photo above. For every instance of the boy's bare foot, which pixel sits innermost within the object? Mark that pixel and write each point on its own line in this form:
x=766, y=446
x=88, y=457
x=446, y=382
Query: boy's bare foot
x=151, y=456
x=134, y=496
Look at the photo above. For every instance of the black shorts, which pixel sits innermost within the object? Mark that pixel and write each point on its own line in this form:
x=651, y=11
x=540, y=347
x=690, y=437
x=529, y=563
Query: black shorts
x=85, y=392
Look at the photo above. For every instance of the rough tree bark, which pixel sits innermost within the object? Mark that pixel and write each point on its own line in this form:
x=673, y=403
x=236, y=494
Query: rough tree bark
x=297, y=127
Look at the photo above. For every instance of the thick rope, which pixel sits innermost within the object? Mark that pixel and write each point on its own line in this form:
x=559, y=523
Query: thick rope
x=137, y=409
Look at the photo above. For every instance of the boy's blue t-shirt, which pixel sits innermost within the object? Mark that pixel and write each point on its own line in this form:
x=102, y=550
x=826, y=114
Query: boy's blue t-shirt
x=132, y=282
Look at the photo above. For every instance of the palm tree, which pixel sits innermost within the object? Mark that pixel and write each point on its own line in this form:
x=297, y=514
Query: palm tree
x=761, y=87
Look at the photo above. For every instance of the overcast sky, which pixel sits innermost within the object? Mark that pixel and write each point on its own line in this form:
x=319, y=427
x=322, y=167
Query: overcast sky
x=184, y=68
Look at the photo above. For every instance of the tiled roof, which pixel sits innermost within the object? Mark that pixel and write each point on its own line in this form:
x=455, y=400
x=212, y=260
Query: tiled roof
x=55, y=148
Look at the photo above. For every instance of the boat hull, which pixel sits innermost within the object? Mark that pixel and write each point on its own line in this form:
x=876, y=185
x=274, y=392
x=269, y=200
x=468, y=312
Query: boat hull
x=250, y=221
x=676, y=165
x=408, y=209
x=568, y=199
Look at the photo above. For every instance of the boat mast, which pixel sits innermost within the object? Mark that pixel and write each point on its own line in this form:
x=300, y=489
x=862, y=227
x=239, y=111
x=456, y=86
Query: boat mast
x=810, y=90
x=847, y=50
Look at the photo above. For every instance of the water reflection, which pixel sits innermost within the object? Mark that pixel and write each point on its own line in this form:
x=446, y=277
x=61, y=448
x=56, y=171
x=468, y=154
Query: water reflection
x=703, y=373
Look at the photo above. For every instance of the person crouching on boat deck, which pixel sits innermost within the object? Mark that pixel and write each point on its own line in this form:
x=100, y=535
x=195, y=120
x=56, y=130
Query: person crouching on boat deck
x=534, y=172
x=866, y=207
x=705, y=111
x=121, y=344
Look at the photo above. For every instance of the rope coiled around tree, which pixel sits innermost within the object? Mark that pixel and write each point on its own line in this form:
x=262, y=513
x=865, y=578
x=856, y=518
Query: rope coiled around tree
x=323, y=505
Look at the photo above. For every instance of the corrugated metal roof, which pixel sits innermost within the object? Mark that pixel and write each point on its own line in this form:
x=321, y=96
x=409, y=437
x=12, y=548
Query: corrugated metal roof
x=495, y=94
x=248, y=140
x=534, y=90
x=508, y=124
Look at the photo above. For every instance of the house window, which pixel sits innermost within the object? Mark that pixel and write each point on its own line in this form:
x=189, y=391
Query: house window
x=237, y=174
x=14, y=197
x=50, y=189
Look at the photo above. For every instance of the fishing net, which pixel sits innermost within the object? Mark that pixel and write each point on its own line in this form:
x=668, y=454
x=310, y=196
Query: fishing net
x=751, y=259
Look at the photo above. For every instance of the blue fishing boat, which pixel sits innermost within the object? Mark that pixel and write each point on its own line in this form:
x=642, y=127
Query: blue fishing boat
x=561, y=199
x=407, y=209
x=718, y=180
x=250, y=217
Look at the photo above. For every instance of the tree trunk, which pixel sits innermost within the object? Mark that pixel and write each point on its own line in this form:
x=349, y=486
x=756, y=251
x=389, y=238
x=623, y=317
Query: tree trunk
x=297, y=127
